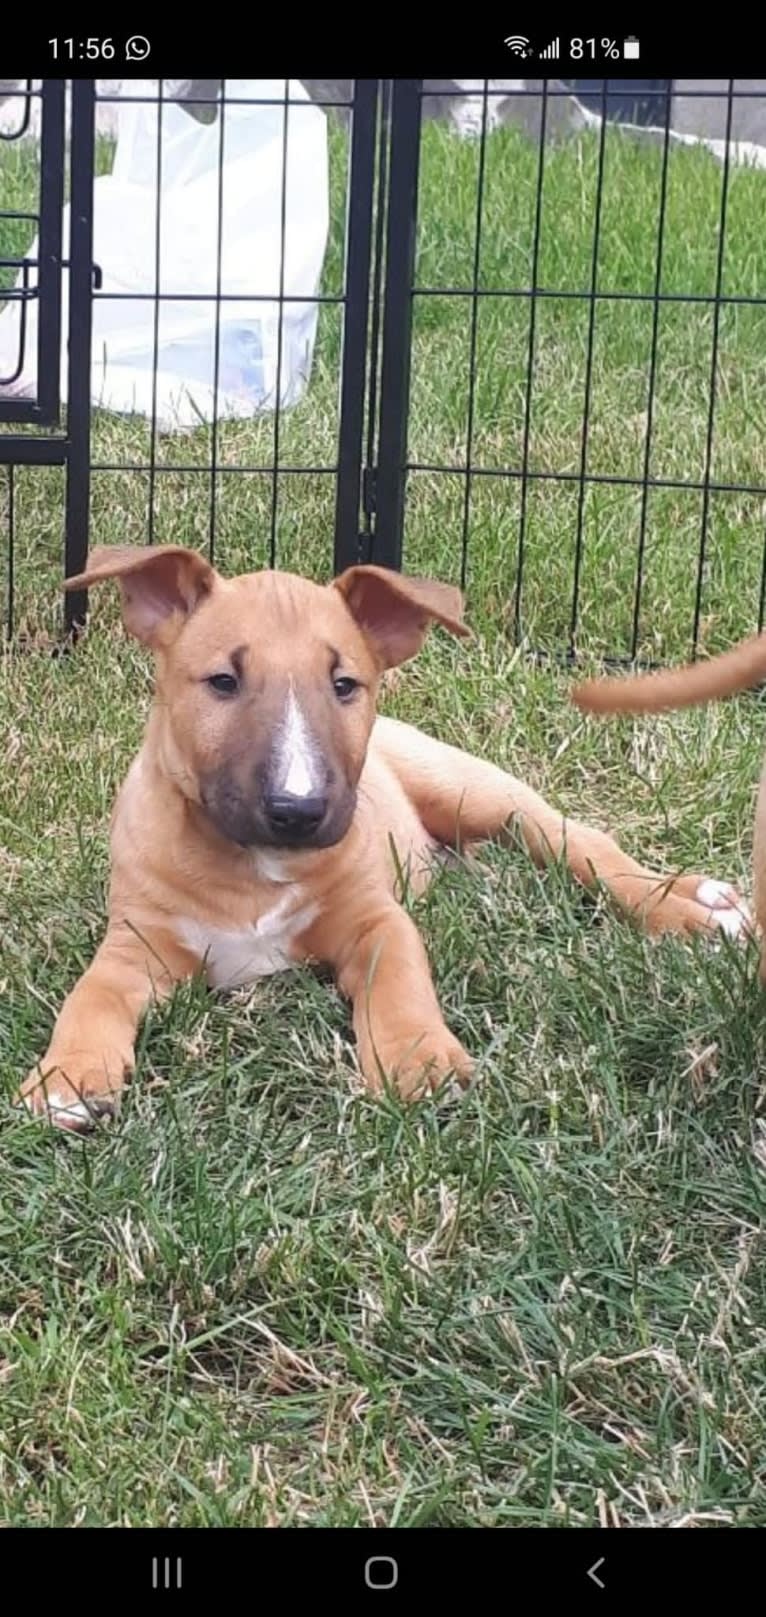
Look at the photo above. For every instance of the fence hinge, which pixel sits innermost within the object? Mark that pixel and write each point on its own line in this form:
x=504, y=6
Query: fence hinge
x=370, y=490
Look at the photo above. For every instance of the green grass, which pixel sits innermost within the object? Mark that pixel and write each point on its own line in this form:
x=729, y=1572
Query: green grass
x=262, y=1298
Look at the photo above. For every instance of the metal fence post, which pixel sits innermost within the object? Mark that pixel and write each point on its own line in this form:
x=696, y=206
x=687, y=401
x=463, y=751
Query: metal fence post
x=397, y=321
x=361, y=186
x=76, y=531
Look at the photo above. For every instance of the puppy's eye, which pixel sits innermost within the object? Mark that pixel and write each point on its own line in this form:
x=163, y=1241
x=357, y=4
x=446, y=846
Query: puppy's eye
x=344, y=687
x=224, y=684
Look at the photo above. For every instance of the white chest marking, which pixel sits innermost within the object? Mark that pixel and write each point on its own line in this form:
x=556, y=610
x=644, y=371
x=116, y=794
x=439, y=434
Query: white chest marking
x=234, y=958
x=272, y=866
x=298, y=771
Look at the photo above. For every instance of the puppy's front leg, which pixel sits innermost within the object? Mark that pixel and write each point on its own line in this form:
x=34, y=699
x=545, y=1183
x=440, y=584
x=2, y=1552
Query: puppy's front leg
x=382, y=966
x=91, y=1050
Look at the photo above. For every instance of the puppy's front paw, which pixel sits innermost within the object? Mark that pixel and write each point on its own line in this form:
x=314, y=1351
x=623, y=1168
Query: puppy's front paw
x=425, y=1061
x=75, y=1097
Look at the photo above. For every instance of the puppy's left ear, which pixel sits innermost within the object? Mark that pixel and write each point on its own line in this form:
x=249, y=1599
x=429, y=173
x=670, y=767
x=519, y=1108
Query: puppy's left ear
x=395, y=612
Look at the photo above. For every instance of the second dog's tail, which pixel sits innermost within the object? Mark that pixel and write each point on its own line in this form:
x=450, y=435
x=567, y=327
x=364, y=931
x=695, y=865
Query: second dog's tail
x=735, y=670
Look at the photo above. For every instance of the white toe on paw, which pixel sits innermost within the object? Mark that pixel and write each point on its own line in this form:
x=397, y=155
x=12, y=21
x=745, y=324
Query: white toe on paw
x=732, y=922
x=729, y=912
x=716, y=895
x=68, y=1113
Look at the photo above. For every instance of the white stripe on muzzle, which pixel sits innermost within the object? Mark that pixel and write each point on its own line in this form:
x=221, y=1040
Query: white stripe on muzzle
x=297, y=770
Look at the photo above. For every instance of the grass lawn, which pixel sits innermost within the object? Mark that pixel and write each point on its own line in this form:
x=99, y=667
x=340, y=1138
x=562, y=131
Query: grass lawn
x=261, y=1298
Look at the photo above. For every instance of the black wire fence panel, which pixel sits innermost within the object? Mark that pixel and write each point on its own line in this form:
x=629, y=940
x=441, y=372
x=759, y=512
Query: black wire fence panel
x=265, y=486
x=538, y=366
x=579, y=329
x=44, y=380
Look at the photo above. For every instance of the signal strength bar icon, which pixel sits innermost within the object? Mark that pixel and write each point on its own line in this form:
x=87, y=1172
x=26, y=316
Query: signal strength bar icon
x=552, y=52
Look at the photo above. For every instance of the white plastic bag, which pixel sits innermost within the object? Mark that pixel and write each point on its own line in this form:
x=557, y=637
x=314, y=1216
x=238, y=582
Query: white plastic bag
x=243, y=264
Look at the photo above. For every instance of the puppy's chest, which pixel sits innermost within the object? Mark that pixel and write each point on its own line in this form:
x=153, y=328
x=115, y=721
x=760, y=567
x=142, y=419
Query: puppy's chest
x=233, y=957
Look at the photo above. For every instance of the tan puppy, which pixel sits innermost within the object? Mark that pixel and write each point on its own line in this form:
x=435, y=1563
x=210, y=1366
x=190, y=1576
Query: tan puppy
x=264, y=817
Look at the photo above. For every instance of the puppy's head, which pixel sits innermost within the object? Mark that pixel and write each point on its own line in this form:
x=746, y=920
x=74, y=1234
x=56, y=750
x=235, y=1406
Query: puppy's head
x=267, y=683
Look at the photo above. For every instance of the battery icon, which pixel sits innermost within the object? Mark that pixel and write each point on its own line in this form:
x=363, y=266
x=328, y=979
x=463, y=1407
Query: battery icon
x=631, y=48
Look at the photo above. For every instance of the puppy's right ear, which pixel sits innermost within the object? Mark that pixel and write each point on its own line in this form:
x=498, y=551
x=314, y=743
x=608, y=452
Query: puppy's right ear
x=161, y=585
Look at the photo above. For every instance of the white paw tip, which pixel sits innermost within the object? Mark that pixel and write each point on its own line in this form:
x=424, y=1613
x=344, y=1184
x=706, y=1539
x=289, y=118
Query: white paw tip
x=716, y=894
x=732, y=922
x=729, y=912
x=63, y=1112
x=68, y=1114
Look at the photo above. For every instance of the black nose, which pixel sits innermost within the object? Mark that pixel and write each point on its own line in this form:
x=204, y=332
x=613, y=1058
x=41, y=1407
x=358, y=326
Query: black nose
x=291, y=816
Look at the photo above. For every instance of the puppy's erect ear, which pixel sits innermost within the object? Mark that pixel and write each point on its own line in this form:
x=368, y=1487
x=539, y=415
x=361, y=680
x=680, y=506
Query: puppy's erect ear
x=395, y=612
x=161, y=585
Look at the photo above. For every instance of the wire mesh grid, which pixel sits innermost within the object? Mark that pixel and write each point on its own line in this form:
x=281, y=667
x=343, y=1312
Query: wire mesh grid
x=536, y=371
x=30, y=207
x=16, y=226
x=259, y=455
x=44, y=476
x=572, y=574
x=221, y=482
x=19, y=284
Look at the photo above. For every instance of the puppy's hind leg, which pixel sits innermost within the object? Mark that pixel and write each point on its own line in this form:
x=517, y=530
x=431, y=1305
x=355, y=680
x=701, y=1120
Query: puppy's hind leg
x=462, y=799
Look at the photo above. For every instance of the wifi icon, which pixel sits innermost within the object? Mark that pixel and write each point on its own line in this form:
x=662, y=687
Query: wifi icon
x=517, y=44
